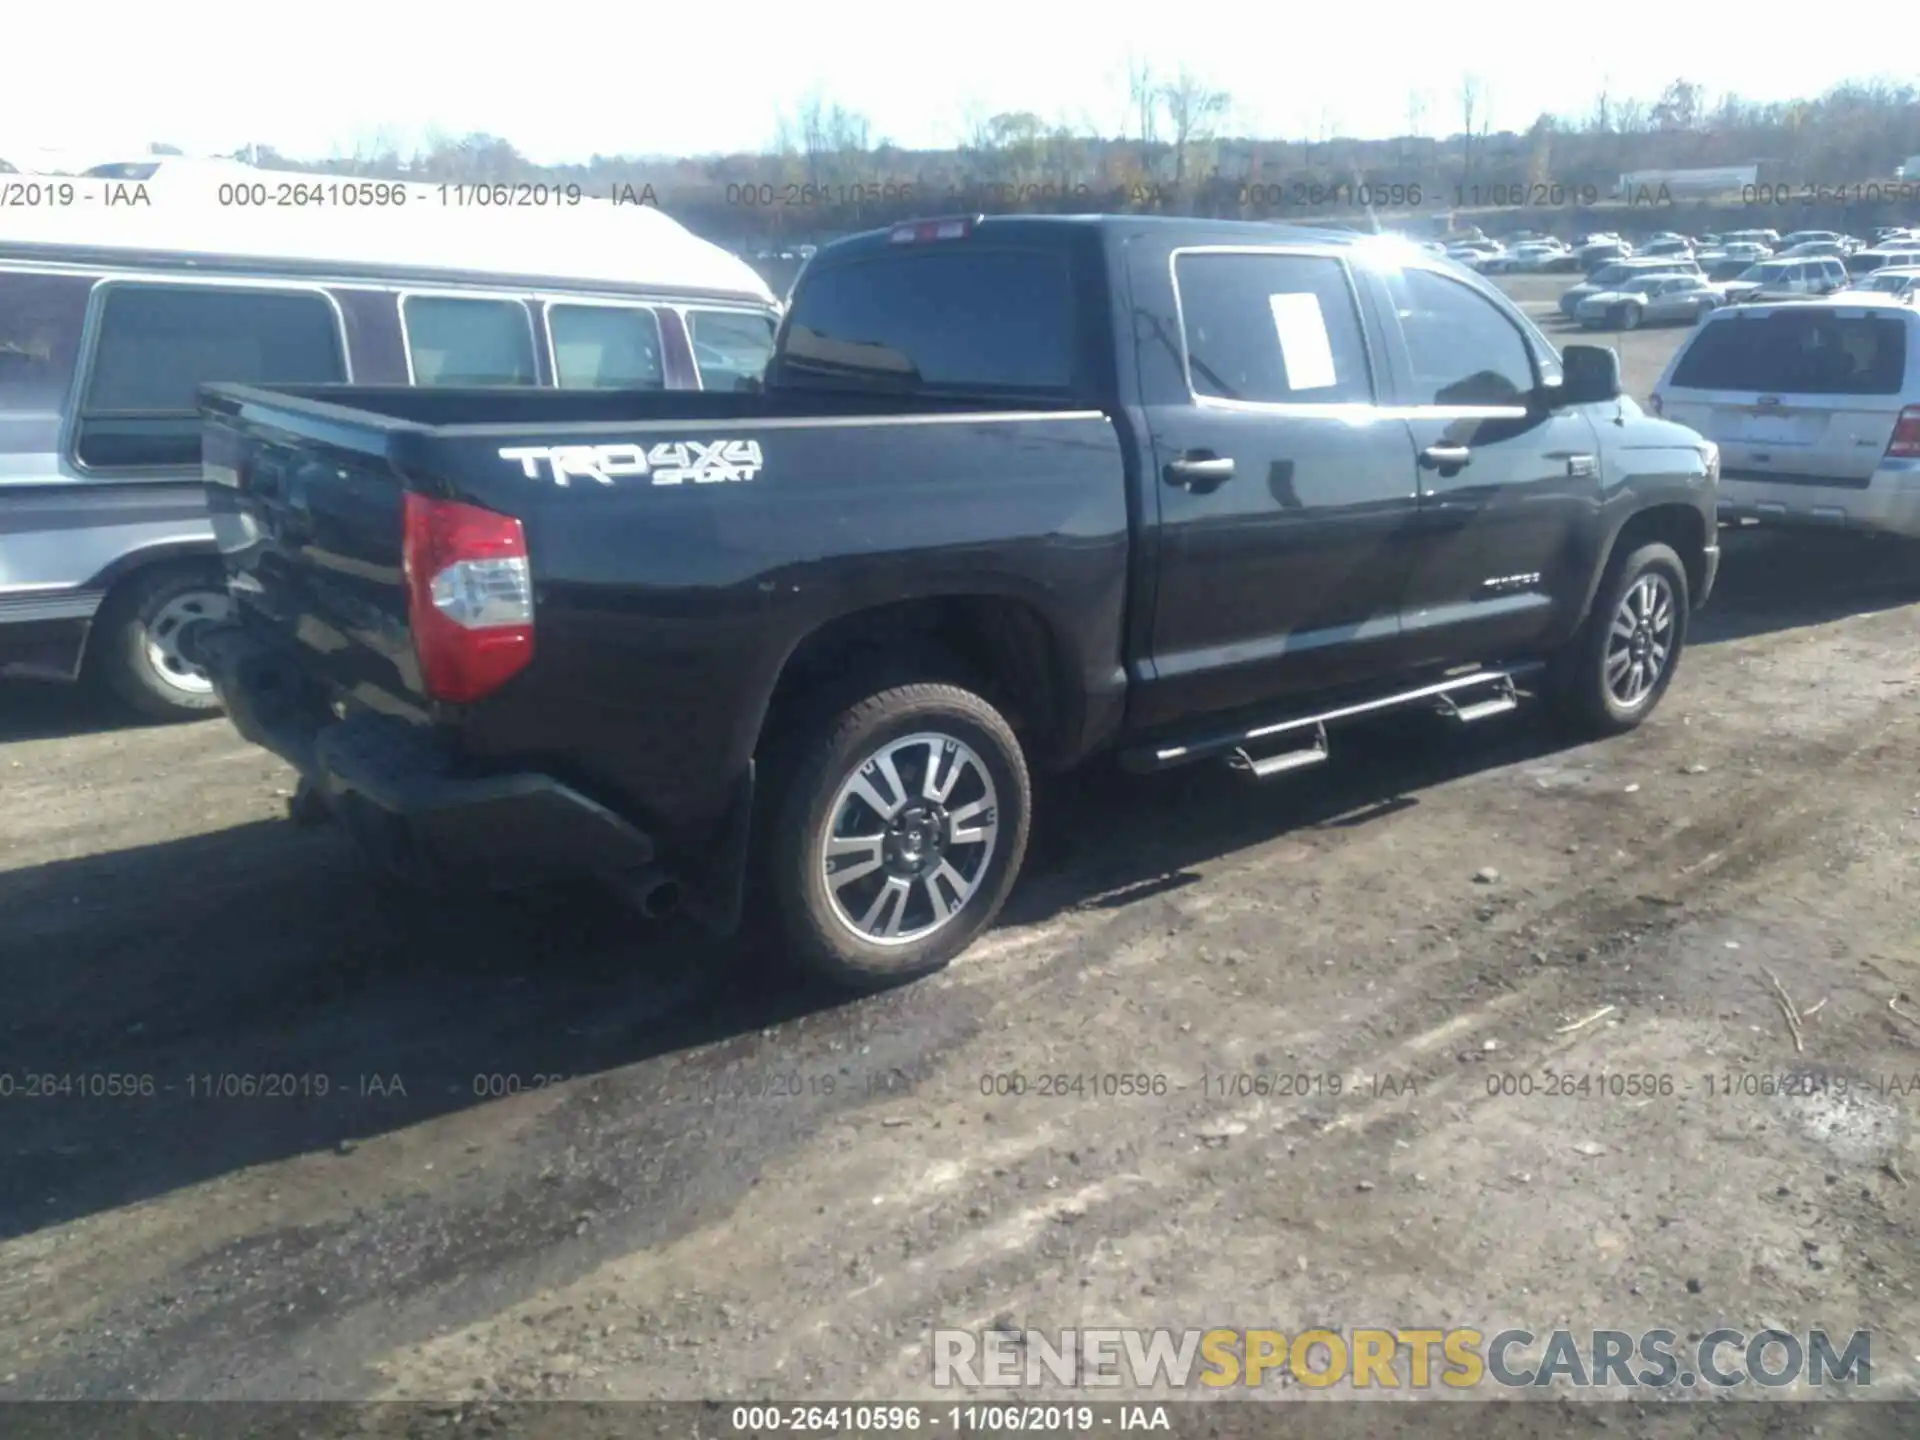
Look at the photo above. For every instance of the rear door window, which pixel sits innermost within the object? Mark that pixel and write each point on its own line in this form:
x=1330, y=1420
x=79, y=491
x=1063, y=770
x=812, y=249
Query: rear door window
x=606, y=347
x=42, y=318
x=1795, y=351
x=159, y=343
x=730, y=347
x=950, y=317
x=461, y=340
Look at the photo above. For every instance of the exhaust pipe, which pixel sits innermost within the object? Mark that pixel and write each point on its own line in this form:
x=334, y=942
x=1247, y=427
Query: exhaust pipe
x=660, y=899
x=652, y=891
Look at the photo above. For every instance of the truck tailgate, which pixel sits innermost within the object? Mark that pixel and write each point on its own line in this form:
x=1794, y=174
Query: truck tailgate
x=306, y=506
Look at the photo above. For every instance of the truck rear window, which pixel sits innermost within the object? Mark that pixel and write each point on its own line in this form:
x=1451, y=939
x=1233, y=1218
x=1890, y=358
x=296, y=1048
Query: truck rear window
x=1799, y=352
x=946, y=319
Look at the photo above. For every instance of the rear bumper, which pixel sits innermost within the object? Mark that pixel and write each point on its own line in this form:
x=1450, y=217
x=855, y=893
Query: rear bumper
x=1888, y=504
x=398, y=792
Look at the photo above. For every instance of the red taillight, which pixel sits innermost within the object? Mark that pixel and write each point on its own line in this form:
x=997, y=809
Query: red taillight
x=1905, y=444
x=469, y=596
x=916, y=232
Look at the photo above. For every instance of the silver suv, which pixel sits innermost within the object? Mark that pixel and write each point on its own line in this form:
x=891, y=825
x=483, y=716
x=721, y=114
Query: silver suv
x=1779, y=278
x=1815, y=406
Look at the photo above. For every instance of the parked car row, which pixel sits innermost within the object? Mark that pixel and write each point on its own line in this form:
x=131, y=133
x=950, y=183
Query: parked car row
x=1721, y=256
x=1649, y=289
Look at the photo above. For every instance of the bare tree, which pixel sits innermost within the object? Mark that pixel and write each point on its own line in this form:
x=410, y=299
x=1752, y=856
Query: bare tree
x=1471, y=90
x=829, y=136
x=1194, y=109
x=1144, y=98
x=1679, y=107
x=812, y=125
x=1540, y=150
x=1417, y=113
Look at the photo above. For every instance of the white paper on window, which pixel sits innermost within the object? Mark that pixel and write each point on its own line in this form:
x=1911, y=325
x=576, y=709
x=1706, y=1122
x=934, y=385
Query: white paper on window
x=1304, y=343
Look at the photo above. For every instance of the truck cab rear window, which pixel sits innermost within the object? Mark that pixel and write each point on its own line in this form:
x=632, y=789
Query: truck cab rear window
x=454, y=340
x=159, y=343
x=606, y=347
x=1796, y=351
x=946, y=319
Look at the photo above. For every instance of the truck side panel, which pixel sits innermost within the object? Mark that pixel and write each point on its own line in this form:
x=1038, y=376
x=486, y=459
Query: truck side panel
x=665, y=611
x=673, y=575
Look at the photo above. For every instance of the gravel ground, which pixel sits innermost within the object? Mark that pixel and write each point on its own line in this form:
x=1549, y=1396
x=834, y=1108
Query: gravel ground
x=708, y=1181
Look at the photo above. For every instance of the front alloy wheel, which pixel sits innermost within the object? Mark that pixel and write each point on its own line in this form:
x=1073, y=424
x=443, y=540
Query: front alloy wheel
x=1640, y=641
x=1612, y=674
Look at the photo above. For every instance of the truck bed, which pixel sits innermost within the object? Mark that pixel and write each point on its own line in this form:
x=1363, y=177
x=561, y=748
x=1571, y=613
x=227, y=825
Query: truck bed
x=669, y=594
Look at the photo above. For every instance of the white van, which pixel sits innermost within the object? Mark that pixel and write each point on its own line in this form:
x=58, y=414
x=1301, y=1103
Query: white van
x=119, y=296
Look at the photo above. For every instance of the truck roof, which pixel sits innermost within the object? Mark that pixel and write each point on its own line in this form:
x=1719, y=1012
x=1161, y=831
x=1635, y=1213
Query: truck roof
x=1018, y=226
x=190, y=215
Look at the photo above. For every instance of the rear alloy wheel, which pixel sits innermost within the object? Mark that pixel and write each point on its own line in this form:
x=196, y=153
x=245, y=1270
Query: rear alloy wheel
x=897, y=844
x=1614, y=672
x=143, y=628
x=1630, y=317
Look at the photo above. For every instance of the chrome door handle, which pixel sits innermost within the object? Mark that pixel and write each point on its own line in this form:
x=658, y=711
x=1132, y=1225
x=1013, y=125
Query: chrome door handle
x=1200, y=472
x=1447, y=459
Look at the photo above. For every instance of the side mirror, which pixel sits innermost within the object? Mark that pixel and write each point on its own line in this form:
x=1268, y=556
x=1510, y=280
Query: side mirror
x=1590, y=375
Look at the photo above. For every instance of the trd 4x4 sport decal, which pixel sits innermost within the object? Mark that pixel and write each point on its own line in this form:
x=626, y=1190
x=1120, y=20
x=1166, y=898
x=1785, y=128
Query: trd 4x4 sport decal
x=669, y=463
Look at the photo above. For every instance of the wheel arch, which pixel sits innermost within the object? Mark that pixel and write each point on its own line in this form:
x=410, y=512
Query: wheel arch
x=1001, y=645
x=1676, y=524
x=197, y=550
x=114, y=581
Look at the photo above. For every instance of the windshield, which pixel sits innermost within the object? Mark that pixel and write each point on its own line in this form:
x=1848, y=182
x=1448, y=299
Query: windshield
x=1764, y=274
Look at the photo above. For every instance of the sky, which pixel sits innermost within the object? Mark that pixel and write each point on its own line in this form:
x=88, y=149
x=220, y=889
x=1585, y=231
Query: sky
x=564, y=79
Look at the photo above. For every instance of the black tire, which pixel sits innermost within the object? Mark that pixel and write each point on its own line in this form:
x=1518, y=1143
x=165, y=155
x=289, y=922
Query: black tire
x=136, y=631
x=1579, y=676
x=828, y=756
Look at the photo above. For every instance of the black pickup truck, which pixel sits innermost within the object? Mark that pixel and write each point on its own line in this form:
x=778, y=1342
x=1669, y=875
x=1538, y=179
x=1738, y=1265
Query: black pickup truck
x=1013, y=492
